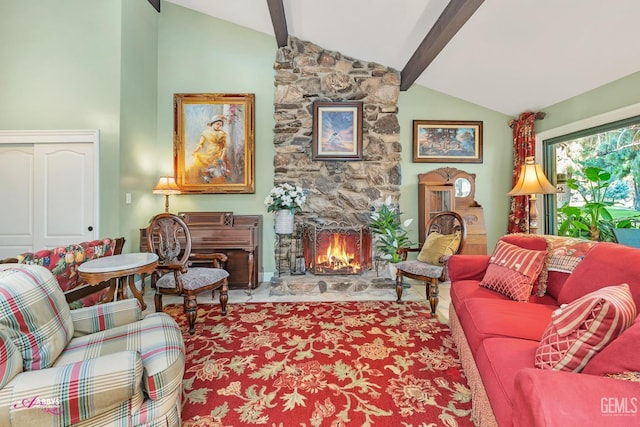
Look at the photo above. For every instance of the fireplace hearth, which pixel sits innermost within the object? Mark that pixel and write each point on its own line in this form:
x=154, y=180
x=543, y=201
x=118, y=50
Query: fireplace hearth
x=336, y=248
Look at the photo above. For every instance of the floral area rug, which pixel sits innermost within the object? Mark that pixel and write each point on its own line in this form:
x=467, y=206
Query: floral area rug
x=354, y=363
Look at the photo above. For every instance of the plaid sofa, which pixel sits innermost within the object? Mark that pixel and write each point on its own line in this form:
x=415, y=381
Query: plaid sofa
x=99, y=365
x=64, y=261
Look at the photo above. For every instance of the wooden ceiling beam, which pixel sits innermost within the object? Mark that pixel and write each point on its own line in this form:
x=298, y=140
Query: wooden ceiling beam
x=279, y=21
x=452, y=18
x=155, y=4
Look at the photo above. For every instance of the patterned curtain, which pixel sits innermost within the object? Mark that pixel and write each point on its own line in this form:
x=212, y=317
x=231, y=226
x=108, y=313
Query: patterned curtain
x=524, y=145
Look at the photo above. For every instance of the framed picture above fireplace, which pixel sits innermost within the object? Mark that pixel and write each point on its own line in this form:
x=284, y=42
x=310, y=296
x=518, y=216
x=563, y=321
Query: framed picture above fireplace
x=447, y=141
x=213, y=142
x=337, y=130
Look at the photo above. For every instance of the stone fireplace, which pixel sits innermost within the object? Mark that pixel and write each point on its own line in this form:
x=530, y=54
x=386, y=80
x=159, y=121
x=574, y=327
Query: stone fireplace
x=336, y=249
x=338, y=192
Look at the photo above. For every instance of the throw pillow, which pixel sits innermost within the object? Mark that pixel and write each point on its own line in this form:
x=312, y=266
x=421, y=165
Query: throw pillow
x=10, y=360
x=436, y=245
x=512, y=270
x=580, y=329
x=34, y=314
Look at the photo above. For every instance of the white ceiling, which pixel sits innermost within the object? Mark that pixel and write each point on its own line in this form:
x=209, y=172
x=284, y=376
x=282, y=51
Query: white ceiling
x=511, y=56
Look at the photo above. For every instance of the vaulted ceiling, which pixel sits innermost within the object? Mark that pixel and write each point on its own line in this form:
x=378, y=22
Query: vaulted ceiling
x=507, y=55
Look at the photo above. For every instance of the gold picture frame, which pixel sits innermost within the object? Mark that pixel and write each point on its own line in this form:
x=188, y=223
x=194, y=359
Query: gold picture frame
x=213, y=138
x=447, y=141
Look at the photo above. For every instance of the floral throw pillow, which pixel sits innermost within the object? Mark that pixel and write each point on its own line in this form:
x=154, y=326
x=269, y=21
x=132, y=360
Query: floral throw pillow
x=580, y=329
x=512, y=271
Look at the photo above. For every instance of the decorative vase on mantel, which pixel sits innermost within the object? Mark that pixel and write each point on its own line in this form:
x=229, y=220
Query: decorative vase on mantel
x=284, y=221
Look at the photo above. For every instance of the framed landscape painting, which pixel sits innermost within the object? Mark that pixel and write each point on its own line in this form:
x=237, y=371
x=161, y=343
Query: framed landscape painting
x=213, y=139
x=447, y=141
x=337, y=131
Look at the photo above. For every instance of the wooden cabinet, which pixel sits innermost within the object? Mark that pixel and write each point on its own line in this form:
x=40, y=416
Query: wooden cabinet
x=450, y=189
x=237, y=236
x=433, y=199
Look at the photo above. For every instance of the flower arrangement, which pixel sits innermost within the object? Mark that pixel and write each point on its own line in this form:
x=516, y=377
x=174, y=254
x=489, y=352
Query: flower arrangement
x=285, y=196
x=389, y=231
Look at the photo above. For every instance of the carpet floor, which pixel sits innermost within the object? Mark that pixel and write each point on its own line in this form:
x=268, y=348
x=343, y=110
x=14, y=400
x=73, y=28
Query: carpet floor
x=352, y=363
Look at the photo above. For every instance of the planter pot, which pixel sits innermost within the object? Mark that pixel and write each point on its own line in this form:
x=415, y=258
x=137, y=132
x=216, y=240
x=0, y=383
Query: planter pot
x=391, y=271
x=284, y=222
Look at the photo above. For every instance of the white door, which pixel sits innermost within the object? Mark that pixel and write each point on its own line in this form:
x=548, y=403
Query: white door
x=64, y=194
x=49, y=191
x=16, y=193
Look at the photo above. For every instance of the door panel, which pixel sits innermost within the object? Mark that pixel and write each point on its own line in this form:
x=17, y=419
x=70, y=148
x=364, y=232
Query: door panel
x=16, y=191
x=48, y=181
x=64, y=196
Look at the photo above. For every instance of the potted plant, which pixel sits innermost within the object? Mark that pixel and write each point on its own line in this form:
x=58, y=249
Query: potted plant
x=591, y=220
x=285, y=200
x=389, y=232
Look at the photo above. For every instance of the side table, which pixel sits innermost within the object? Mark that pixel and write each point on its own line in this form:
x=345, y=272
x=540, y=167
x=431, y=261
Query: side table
x=120, y=270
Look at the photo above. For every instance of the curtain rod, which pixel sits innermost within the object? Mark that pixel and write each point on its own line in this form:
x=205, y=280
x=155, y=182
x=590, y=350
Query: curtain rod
x=539, y=116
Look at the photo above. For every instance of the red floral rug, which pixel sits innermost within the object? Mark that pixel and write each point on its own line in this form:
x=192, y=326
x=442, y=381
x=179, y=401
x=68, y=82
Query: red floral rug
x=322, y=364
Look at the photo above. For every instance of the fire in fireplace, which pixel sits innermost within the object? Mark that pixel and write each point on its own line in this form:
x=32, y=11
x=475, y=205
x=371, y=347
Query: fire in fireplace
x=336, y=248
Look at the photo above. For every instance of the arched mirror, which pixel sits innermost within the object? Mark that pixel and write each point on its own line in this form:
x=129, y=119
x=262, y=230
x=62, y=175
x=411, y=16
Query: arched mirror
x=463, y=187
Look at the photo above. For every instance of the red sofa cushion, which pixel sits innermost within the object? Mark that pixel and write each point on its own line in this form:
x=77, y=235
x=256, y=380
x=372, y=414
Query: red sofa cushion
x=467, y=267
x=606, y=264
x=584, y=327
x=466, y=289
x=555, y=398
x=527, y=241
x=498, y=361
x=621, y=355
x=555, y=282
x=512, y=270
x=482, y=318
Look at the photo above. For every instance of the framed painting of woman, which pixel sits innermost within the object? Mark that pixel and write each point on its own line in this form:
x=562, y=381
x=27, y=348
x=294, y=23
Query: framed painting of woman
x=214, y=143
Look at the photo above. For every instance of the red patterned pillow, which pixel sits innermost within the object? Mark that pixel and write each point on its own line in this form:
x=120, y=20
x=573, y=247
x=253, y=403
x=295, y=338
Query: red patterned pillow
x=512, y=270
x=580, y=329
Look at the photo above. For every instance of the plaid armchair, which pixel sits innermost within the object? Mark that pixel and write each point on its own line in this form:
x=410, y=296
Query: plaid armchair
x=89, y=366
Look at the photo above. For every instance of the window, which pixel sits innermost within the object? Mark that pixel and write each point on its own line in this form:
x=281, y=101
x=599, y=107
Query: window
x=614, y=147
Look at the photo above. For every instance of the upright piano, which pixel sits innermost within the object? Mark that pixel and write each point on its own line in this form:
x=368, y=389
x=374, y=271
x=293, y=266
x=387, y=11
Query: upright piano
x=237, y=236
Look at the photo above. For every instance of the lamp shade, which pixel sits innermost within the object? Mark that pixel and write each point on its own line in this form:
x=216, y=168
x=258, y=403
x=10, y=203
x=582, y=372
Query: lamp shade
x=532, y=181
x=166, y=185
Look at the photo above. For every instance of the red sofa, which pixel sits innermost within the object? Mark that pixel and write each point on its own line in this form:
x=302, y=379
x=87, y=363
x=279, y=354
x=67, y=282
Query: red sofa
x=497, y=338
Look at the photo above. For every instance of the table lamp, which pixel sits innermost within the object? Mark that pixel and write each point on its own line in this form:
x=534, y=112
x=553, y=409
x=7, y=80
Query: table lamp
x=532, y=181
x=166, y=185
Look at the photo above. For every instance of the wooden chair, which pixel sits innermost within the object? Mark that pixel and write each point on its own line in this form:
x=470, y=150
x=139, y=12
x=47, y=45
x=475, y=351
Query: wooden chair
x=168, y=236
x=444, y=223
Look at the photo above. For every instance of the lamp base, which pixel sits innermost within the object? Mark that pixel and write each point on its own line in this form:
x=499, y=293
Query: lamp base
x=533, y=215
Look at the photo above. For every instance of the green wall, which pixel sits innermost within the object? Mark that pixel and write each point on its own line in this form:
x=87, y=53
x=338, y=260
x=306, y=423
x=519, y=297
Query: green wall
x=612, y=96
x=200, y=54
x=61, y=70
x=115, y=65
x=139, y=119
x=493, y=175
